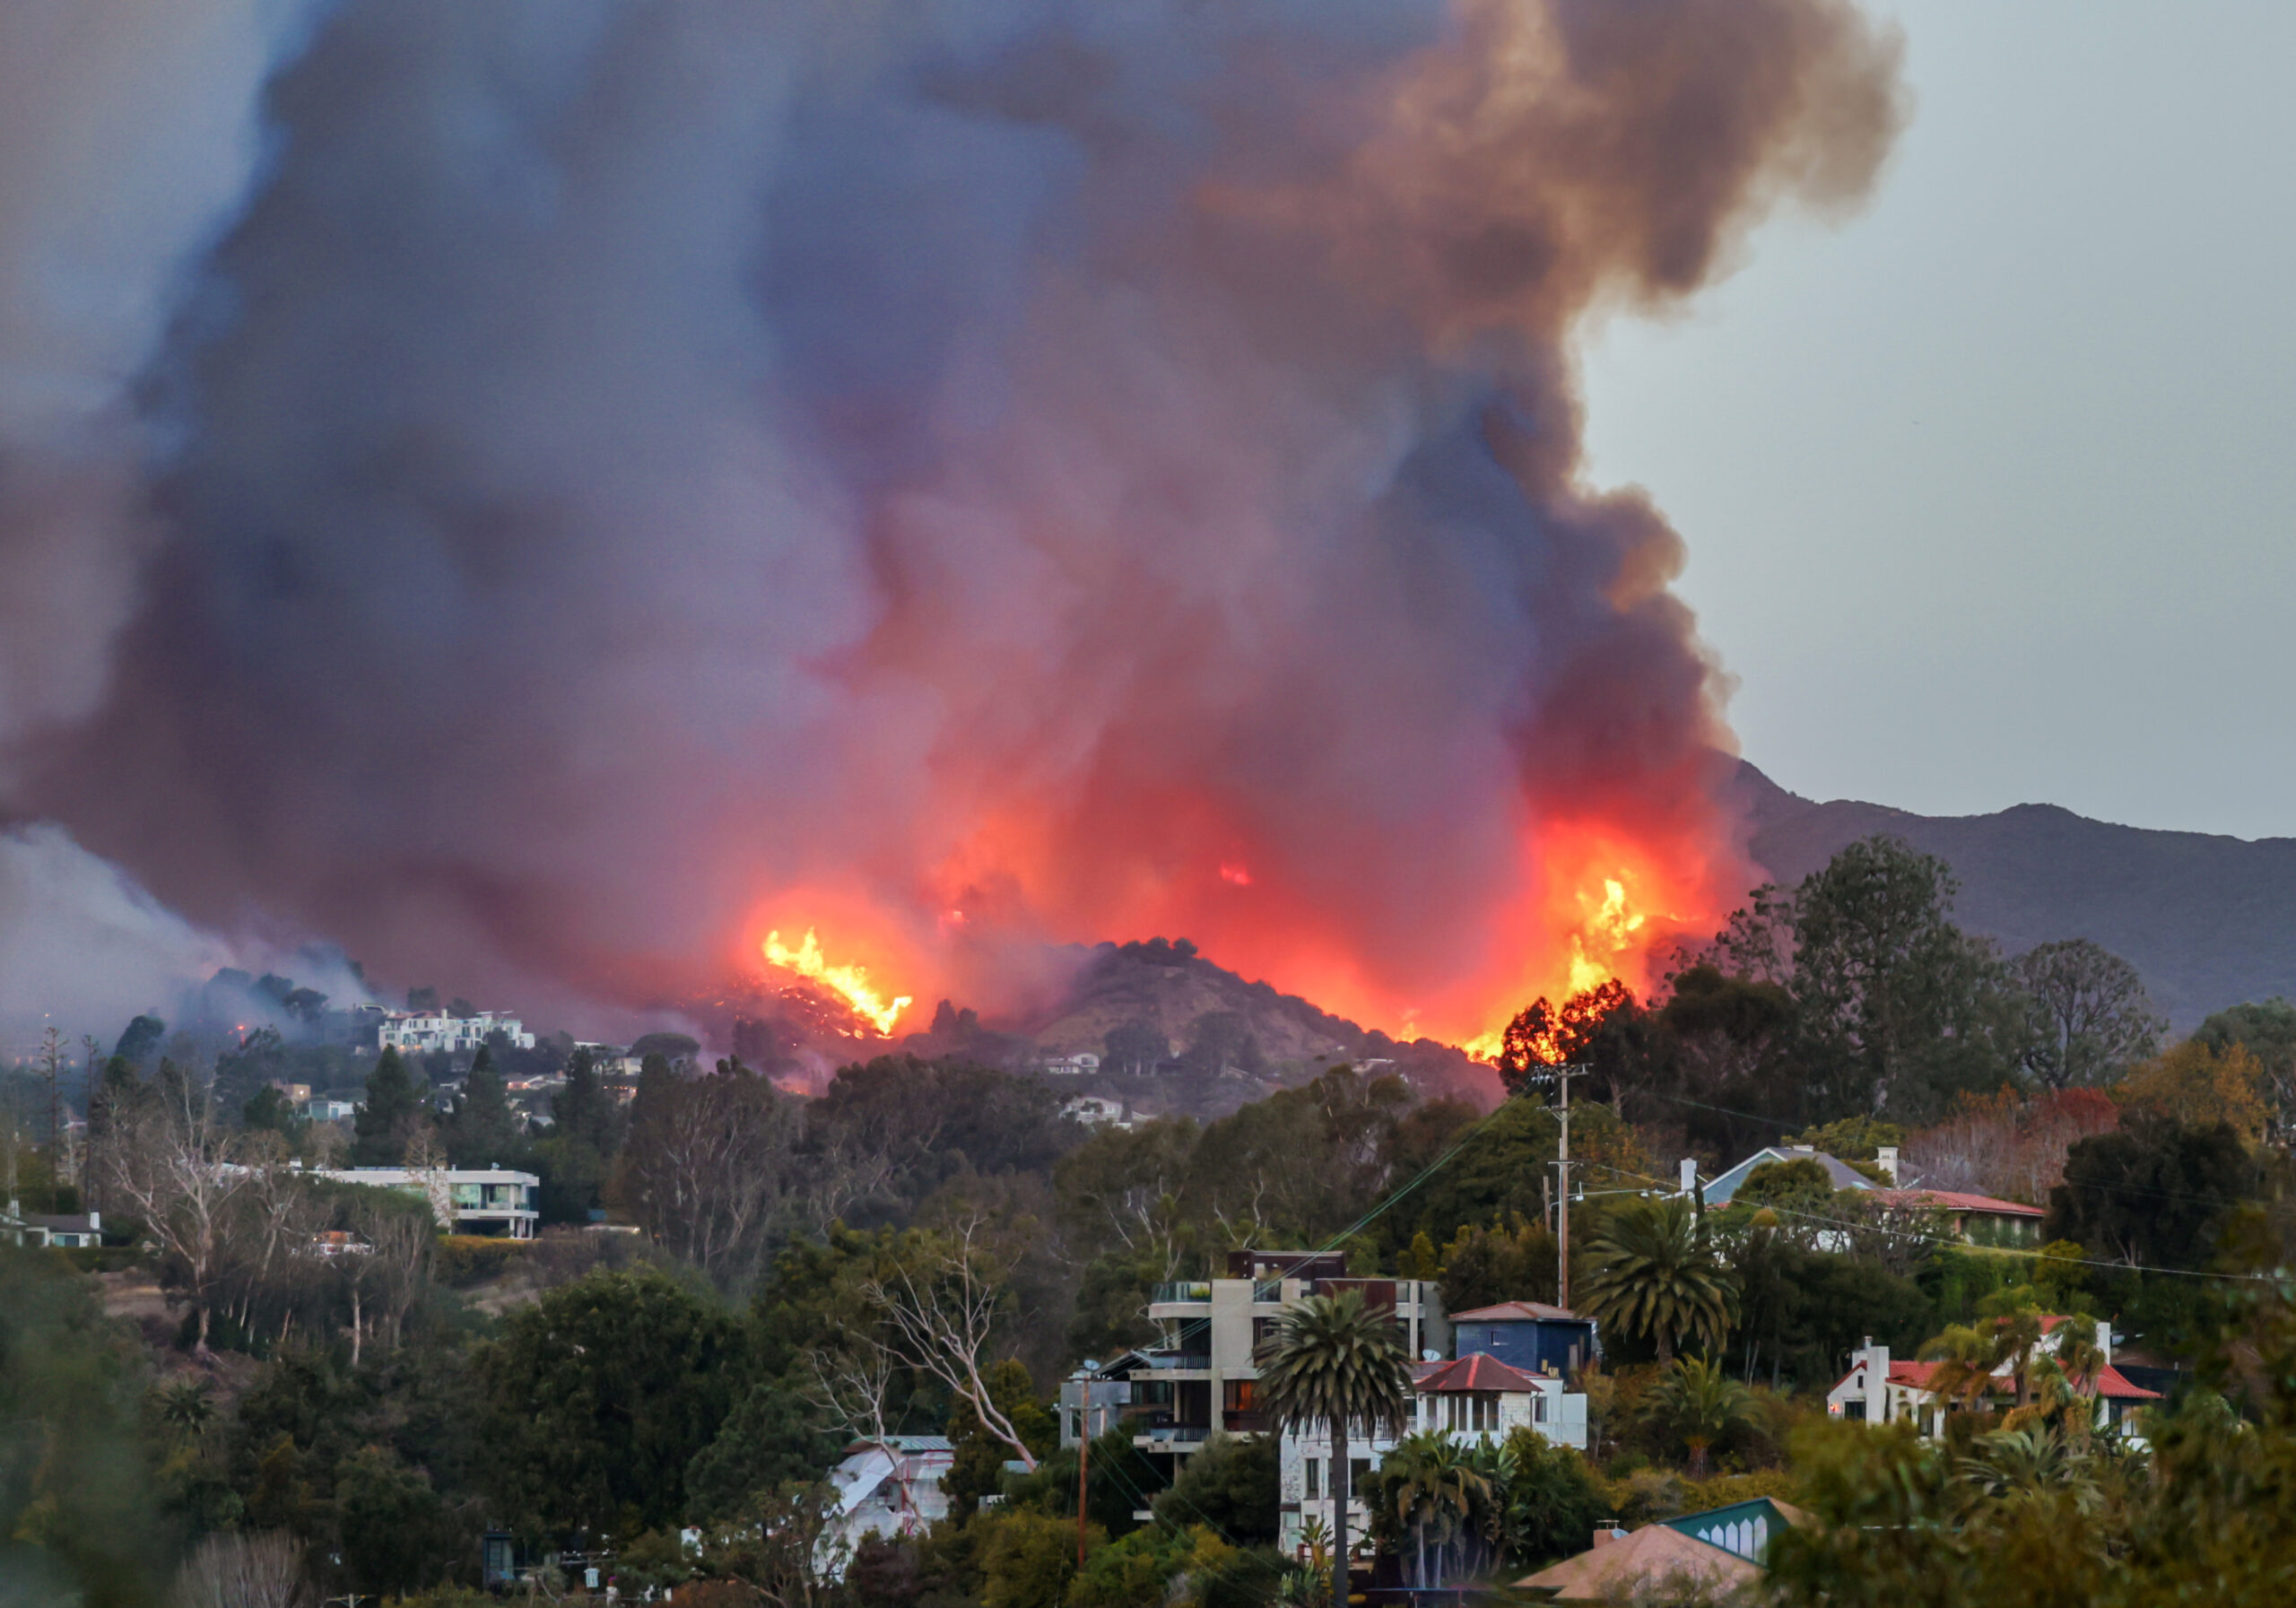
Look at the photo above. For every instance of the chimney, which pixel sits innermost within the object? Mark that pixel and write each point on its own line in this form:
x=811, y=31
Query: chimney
x=1877, y=1382
x=1689, y=1176
x=2105, y=1339
x=1887, y=1157
x=1605, y=1534
x=96, y=1226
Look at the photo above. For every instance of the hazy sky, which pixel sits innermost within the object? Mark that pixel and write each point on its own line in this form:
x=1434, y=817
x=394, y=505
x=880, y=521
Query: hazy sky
x=1991, y=494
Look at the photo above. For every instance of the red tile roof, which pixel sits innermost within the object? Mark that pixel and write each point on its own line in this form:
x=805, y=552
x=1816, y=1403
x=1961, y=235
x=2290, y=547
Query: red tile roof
x=2113, y=1386
x=1954, y=1200
x=1916, y=1374
x=1516, y=1312
x=1478, y=1370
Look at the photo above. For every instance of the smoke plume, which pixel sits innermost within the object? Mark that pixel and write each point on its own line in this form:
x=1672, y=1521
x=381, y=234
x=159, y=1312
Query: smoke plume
x=618, y=479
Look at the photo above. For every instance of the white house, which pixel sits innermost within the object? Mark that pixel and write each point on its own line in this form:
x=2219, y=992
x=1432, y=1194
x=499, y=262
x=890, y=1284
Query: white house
x=1476, y=1398
x=330, y=1110
x=1076, y=1065
x=1879, y=1390
x=1096, y=1111
x=887, y=1488
x=70, y=1231
x=425, y=1032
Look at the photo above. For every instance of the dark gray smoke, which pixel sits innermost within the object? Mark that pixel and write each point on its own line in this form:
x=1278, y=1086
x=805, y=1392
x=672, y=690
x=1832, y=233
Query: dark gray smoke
x=630, y=475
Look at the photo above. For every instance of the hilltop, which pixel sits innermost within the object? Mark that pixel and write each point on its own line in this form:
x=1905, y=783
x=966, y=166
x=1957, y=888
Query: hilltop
x=2209, y=921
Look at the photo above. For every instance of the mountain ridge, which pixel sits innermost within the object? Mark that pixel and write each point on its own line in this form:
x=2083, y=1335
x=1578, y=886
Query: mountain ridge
x=2209, y=921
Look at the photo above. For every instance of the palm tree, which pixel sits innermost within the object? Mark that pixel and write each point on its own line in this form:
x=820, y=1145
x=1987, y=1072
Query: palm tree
x=1656, y=1274
x=1966, y=1357
x=185, y=1407
x=1701, y=1404
x=1330, y=1362
x=1429, y=1483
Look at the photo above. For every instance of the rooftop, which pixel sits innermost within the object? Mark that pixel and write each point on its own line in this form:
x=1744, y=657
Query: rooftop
x=1519, y=1312
x=1474, y=1371
x=1954, y=1200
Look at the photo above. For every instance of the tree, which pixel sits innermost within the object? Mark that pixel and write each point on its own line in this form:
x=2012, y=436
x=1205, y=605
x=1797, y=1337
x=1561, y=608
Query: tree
x=1599, y=1028
x=584, y=1111
x=1333, y=1364
x=1554, y=1498
x=1482, y=1268
x=139, y=1039
x=1428, y=1486
x=173, y=1167
x=709, y=1163
x=2197, y=1085
x=1655, y=1274
x=1137, y=1047
x=1222, y=1042
x=2093, y=1013
x=270, y=1110
x=599, y=1397
x=1233, y=1484
x=241, y=1571
x=976, y=1470
x=939, y=1298
x=2150, y=1195
x=1699, y=1404
x=1900, y=1007
x=388, y=1120
x=2266, y=1029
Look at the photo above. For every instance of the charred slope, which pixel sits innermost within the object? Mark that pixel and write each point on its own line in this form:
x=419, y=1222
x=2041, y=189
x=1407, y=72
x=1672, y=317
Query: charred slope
x=2209, y=921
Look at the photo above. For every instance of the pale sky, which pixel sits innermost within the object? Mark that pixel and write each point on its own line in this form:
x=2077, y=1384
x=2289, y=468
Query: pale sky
x=1990, y=493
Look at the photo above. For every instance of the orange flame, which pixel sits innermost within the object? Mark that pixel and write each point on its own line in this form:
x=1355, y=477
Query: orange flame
x=850, y=982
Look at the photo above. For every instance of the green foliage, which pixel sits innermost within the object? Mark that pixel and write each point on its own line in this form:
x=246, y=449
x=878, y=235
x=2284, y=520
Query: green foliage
x=78, y=1521
x=1232, y=1486
x=1700, y=1407
x=1801, y=1311
x=1899, y=1007
x=978, y=1470
x=600, y=1396
x=388, y=1119
x=1482, y=1268
x=459, y=1261
x=1027, y=1559
x=1554, y=1500
x=2151, y=1193
x=482, y=1131
x=397, y=1532
x=774, y=1437
x=1852, y=1139
x=1658, y=1274
x=268, y=1109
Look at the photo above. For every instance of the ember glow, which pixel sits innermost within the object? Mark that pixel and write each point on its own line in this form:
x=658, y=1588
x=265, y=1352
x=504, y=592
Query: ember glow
x=1107, y=471
x=849, y=983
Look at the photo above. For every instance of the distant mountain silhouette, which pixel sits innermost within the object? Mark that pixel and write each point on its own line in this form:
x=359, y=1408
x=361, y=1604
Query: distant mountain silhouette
x=2209, y=921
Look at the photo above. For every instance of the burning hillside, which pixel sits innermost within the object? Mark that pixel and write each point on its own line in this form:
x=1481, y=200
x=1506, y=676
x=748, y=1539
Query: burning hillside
x=909, y=491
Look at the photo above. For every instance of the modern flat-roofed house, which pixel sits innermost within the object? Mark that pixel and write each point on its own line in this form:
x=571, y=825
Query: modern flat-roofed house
x=1200, y=1379
x=491, y=1201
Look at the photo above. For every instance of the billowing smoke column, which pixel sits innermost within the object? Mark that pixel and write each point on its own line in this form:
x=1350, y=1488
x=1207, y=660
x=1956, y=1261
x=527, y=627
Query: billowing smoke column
x=962, y=477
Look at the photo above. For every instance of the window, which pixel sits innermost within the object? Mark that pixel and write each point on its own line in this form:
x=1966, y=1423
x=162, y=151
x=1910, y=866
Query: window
x=1315, y=1479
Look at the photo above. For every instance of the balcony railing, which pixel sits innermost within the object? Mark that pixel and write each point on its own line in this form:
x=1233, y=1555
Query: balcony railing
x=1180, y=1291
x=1244, y=1420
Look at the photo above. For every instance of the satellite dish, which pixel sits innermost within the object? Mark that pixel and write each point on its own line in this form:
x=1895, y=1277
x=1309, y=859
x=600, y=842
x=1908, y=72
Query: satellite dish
x=1430, y=1355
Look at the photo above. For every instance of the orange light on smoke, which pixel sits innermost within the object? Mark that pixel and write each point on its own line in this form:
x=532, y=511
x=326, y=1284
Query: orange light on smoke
x=850, y=983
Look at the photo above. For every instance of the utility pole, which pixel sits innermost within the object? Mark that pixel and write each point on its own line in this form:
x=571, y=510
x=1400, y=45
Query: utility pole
x=1562, y=1076
x=1083, y=1467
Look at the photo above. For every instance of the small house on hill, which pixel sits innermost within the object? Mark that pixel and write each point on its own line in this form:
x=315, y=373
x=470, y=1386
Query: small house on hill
x=1530, y=1336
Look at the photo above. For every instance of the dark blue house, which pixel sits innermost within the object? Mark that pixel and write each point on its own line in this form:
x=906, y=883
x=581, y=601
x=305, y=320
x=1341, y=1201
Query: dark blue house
x=1530, y=1336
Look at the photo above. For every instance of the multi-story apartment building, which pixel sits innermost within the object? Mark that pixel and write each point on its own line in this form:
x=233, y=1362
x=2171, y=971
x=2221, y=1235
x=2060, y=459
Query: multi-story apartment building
x=1201, y=1378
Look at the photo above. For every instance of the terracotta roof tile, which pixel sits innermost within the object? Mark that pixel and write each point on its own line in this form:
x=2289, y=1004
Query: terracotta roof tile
x=1475, y=1371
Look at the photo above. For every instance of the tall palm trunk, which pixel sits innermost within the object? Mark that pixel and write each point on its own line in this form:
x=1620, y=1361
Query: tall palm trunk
x=1340, y=1484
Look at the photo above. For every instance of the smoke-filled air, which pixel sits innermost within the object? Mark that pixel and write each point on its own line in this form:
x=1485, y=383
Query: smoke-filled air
x=547, y=495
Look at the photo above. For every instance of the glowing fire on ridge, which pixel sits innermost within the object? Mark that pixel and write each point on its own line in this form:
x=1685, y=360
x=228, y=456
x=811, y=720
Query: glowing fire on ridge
x=851, y=982
x=1606, y=942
